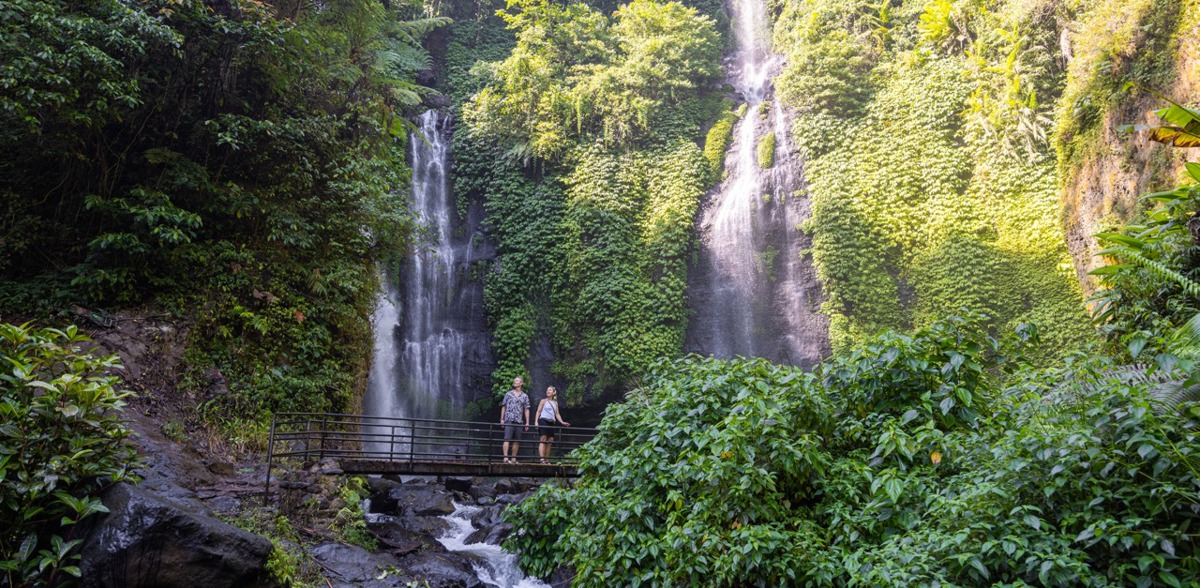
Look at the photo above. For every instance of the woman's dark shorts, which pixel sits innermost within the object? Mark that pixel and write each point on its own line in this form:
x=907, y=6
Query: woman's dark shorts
x=546, y=428
x=512, y=431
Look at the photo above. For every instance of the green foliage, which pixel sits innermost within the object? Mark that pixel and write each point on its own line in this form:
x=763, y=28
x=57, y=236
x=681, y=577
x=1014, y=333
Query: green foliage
x=237, y=165
x=61, y=443
x=1152, y=285
x=766, y=151
x=350, y=522
x=716, y=143
x=581, y=145
x=1118, y=43
x=574, y=73
x=938, y=458
x=931, y=182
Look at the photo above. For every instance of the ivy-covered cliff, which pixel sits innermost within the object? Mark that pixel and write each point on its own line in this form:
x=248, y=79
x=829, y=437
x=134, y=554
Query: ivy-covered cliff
x=1124, y=58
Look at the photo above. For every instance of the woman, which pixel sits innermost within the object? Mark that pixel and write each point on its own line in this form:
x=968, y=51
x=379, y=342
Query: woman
x=548, y=417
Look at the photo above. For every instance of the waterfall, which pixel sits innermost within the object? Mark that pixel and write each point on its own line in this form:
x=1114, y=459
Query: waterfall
x=752, y=291
x=432, y=349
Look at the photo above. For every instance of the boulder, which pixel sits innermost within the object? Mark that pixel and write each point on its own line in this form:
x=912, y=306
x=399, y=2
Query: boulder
x=147, y=541
x=487, y=516
x=399, y=540
x=431, y=526
x=416, y=500
x=483, y=493
x=349, y=566
x=458, y=484
x=507, y=499
x=441, y=570
x=492, y=535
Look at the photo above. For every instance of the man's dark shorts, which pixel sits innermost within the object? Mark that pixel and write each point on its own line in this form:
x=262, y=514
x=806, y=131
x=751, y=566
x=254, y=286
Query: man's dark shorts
x=512, y=431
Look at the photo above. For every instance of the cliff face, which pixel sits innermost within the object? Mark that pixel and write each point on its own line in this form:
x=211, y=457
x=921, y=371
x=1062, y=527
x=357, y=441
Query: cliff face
x=1156, y=44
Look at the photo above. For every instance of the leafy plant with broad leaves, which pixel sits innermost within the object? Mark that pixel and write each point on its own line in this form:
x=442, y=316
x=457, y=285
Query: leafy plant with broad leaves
x=936, y=458
x=61, y=442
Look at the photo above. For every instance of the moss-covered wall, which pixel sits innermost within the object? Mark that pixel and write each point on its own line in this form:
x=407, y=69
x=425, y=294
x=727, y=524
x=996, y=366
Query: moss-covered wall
x=1102, y=172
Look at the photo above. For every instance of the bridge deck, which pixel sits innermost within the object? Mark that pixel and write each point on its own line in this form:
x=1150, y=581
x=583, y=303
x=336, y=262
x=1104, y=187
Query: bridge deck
x=363, y=444
x=457, y=468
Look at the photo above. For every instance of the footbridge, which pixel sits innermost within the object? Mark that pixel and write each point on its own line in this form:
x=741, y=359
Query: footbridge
x=362, y=444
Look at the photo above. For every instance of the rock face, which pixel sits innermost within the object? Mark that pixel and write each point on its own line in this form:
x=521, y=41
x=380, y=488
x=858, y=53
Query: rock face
x=1106, y=171
x=146, y=541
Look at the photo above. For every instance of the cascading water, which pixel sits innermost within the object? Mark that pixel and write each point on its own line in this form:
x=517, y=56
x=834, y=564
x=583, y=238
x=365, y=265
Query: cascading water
x=493, y=566
x=432, y=348
x=752, y=292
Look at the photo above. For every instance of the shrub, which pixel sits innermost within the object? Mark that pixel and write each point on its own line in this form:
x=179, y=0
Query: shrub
x=766, y=151
x=61, y=442
x=936, y=458
x=716, y=144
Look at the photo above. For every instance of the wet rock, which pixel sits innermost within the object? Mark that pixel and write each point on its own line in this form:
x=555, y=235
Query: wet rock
x=396, y=538
x=441, y=570
x=431, y=526
x=492, y=535
x=487, y=516
x=458, y=484
x=350, y=566
x=222, y=468
x=507, y=499
x=417, y=500
x=482, y=491
x=147, y=541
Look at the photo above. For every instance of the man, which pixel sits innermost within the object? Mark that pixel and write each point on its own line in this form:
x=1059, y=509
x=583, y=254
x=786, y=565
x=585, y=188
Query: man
x=514, y=412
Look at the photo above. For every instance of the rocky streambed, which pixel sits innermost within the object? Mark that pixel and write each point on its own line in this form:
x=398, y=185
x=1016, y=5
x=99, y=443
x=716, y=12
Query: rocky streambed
x=434, y=533
x=445, y=533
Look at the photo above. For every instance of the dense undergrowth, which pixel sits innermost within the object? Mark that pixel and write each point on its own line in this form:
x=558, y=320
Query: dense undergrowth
x=235, y=162
x=944, y=457
x=939, y=458
x=580, y=138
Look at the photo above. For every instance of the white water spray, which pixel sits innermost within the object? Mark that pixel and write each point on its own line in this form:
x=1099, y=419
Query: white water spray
x=753, y=294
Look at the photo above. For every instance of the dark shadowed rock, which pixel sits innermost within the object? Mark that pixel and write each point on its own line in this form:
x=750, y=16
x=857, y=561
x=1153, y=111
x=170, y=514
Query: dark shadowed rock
x=482, y=492
x=493, y=535
x=507, y=499
x=418, y=500
x=487, y=516
x=432, y=526
x=350, y=566
x=442, y=570
x=398, y=540
x=562, y=577
x=458, y=484
x=146, y=541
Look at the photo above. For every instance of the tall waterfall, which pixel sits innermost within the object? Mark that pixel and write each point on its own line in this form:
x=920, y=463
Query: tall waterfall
x=432, y=348
x=752, y=291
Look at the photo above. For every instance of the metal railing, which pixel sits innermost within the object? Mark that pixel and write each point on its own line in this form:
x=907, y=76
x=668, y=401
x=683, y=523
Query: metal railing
x=385, y=441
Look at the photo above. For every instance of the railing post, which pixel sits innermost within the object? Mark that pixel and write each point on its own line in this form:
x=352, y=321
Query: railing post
x=412, y=442
x=270, y=456
x=392, y=445
x=321, y=451
x=307, y=437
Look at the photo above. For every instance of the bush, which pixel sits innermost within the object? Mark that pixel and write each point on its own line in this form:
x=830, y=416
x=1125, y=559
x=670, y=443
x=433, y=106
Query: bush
x=61, y=442
x=766, y=151
x=937, y=458
x=716, y=144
